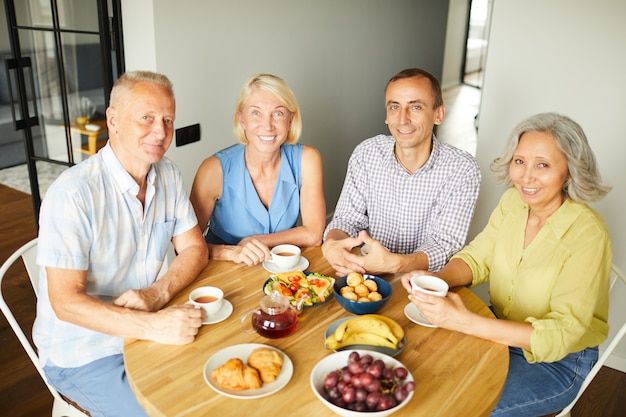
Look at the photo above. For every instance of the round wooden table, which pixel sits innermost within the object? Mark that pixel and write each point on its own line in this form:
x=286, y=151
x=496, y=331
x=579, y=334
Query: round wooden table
x=455, y=374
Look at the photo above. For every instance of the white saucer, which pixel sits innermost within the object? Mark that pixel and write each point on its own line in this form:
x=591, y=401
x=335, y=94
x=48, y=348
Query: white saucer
x=415, y=315
x=302, y=264
x=222, y=314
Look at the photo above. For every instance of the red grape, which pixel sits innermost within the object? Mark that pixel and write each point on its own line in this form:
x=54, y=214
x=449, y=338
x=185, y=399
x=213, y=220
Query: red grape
x=334, y=393
x=374, y=386
x=349, y=394
x=354, y=357
x=375, y=370
x=372, y=400
x=366, y=384
x=355, y=368
x=384, y=403
x=342, y=385
x=409, y=386
x=360, y=395
x=331, y=379
x=400, y=393
x=401, y=372
x=366, y=379
x=367, y=359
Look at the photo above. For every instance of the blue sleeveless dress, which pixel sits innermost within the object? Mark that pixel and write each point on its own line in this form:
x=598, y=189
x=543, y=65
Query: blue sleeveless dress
x=240, y=213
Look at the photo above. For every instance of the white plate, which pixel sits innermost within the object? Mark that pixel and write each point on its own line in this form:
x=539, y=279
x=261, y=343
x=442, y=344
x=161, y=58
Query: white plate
x=302, y=264
x=242, y=352
x=415, y=315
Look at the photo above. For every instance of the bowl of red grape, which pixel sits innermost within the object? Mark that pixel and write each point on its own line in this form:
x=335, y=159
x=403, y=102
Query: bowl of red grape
x=356, y=382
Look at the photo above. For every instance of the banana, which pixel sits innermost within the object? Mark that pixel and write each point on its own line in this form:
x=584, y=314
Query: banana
x=368, y=324
x=396, y=329
x=359, y=339
x=331, y=342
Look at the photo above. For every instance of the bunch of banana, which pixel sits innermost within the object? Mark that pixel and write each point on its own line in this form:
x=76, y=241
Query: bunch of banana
x=368, y=329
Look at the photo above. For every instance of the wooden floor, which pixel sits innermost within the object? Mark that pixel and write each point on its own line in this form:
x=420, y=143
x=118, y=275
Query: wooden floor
x=23, y=394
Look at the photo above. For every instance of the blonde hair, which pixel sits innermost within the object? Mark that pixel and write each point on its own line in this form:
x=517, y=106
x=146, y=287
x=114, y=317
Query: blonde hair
x=277, y=87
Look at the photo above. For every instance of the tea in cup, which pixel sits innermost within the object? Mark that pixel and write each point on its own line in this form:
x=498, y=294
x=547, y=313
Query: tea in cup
x=209, y=299
x=285, y=256
x=429, y=284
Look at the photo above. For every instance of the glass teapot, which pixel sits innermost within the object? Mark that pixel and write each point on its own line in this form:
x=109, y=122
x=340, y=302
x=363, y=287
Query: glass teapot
x=275, y=317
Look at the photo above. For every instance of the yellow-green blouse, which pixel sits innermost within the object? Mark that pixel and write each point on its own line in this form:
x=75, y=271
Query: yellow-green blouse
x=559, y=283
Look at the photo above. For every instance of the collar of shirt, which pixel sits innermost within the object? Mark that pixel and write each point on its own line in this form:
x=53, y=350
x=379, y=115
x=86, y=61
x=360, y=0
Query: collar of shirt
x=393, y=162
x=122, y=178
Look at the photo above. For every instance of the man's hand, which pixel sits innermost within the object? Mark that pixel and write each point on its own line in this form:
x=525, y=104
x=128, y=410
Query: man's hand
x=337, y=251
x=378, y=259
x=146, y=299
x=175, y=325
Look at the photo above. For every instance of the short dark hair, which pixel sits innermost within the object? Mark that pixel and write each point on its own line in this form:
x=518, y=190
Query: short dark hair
x=418, y=72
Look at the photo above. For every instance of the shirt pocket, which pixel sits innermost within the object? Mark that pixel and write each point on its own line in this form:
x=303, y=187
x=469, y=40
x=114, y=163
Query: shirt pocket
x=162, y=234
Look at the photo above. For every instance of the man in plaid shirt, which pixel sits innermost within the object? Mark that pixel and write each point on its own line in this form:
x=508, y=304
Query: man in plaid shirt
x=407, y=198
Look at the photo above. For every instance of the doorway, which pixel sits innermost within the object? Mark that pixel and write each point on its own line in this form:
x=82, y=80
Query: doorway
x=477, y=40
x=59, y=66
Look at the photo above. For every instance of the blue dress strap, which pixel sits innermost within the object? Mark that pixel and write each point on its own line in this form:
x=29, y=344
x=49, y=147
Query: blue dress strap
x=239, y=212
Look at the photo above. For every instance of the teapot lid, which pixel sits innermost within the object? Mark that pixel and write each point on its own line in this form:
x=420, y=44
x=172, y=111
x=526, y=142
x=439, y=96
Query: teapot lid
x=275, y=303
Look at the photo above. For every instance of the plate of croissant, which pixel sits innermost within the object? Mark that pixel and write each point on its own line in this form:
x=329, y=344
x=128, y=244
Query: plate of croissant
x=250, y=370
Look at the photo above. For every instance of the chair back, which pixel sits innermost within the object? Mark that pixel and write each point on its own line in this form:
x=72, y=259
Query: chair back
x=28, y=253
x=607, y=348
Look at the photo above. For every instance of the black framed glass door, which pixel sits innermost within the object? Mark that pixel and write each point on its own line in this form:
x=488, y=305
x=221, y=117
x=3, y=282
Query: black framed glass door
x=64, y=58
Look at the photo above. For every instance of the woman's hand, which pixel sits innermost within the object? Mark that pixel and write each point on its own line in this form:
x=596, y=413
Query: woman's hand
x=406, y=279
x=250, y=251
x=447, y=312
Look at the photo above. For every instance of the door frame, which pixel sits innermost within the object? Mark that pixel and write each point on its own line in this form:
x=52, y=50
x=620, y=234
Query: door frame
x=111, y=42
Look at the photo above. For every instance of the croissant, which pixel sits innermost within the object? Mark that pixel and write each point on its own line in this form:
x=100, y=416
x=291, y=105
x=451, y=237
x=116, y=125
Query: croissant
x=267, y=361
x=236, y=375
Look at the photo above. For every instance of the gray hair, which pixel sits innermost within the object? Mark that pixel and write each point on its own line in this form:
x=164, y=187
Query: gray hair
x=584, y=183
x=128, y=80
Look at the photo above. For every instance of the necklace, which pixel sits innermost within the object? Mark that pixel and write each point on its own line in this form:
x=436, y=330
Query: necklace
x=402, y=164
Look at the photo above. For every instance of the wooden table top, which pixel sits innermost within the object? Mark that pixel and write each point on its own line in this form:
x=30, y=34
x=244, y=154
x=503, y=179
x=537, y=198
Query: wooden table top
x=455, y=374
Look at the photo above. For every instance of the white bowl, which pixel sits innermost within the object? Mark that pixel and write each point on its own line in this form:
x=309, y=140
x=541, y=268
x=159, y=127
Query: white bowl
x=337, y=361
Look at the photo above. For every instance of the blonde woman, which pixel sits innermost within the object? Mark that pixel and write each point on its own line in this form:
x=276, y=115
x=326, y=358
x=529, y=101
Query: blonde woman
x=250, y=195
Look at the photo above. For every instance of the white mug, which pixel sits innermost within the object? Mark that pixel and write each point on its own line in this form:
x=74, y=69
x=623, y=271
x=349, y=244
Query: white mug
x=429, y=284
x=209, y=299
x=285, y=256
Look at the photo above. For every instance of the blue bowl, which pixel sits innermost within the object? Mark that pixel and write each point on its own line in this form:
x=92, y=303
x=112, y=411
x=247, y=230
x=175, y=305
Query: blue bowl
x=363, y=307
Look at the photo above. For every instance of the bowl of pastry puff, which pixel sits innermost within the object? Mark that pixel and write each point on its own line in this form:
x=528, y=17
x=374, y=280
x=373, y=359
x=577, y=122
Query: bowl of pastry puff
x=362, y=293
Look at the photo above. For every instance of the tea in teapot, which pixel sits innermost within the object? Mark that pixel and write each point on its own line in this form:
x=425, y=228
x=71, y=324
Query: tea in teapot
x=275, y=317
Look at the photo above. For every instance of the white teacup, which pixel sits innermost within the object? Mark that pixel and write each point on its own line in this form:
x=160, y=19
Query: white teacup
x=285, y=256
x=429, y=284
x=209, y=299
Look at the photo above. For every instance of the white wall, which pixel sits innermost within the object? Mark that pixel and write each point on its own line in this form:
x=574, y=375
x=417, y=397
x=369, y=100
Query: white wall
x=336, y=55
x=455, y=43
x=568, y=57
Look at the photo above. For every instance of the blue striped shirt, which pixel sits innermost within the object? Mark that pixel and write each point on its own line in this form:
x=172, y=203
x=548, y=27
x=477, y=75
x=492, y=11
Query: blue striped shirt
x=91, y=220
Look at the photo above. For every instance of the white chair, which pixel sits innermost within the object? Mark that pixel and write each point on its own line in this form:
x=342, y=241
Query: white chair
x=611, y=344
x=28, y=253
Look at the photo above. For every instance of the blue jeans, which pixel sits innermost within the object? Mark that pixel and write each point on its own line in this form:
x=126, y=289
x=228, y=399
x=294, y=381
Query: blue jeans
x=99, y=387
x=537, y=389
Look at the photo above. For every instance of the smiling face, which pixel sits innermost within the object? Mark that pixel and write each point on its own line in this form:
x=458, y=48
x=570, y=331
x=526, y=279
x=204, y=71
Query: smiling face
x=141, y=126
x=539, y=171
x=265, y=120
x=410, y=112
